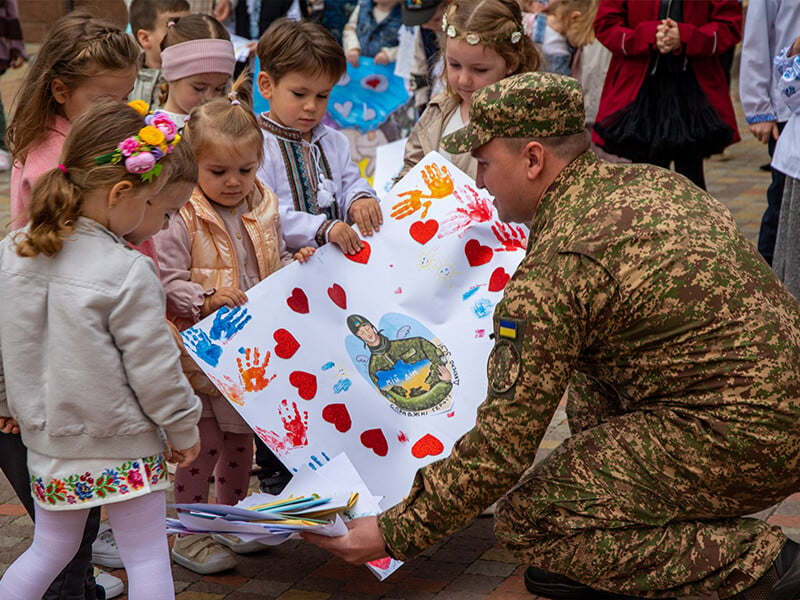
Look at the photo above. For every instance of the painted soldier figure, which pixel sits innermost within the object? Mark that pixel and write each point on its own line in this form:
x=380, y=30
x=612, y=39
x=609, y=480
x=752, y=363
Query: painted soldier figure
x=680, y=348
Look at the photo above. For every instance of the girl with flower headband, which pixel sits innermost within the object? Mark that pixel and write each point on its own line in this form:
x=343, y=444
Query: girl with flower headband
x=197, y=62
x=106, y=388
x=227, y=238
x=82, y=61
x=484, y=43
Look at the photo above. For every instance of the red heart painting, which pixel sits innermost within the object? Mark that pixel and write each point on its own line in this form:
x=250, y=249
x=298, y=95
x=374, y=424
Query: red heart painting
x=362, y=256
x=337, y=415
x=423, y=231
x=337, y=295
x=498, y=280
x=375, y=441
x=427, y=445
x=477, y=254
x=373, y=82
x=381, y=563
x=286, y=345
x=298, y=301
x=306, y=384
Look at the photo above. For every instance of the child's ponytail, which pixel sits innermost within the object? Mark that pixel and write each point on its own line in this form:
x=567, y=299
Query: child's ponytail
x=58, y=194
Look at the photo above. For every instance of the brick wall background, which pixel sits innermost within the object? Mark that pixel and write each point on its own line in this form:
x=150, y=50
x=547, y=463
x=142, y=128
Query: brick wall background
x=38, y=16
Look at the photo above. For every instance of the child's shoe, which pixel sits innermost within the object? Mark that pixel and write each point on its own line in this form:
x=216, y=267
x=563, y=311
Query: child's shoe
x=201, y=554
x=112, y=586
x=104, y=549
x=237, y=544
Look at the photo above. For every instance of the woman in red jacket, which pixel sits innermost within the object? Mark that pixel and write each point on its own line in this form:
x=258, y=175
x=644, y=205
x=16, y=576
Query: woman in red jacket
x=665, y=97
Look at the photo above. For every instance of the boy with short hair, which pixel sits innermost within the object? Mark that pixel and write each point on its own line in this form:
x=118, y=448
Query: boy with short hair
x=149, y=19
x=307, y=164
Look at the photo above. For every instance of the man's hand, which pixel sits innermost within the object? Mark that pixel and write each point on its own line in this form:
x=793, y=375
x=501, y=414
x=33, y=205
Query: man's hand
x=764, y=130
x=345, y=237
x=8, y=425
x=363, y=543
x=366, y=213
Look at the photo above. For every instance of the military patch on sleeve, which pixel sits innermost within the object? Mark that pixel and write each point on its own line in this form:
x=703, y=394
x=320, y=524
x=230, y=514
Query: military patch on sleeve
x=504, y=366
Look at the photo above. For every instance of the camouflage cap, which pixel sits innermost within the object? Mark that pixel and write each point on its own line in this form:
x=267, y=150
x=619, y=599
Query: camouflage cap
x=525, y=105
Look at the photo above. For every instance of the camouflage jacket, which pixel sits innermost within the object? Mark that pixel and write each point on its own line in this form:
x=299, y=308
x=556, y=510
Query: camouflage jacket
x=642, y=282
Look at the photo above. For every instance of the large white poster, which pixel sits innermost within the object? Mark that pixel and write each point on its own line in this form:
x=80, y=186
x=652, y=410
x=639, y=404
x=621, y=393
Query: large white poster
x=381, y=355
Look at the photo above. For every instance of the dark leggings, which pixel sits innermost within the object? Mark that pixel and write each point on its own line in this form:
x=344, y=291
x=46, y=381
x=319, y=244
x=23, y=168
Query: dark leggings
x=76, y=581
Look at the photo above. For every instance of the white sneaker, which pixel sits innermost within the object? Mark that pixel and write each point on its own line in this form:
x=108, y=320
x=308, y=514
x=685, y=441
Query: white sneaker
x=104, y=549
x=237, y=544
x=201, y=554
x=112, y=586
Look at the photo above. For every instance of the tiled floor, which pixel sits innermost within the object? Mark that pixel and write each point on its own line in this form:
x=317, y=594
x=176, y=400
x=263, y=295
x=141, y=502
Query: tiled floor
x=469, y=565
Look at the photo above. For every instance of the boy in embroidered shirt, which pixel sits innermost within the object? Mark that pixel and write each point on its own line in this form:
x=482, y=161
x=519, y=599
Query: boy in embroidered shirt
x=149, y=20
x=308, y=164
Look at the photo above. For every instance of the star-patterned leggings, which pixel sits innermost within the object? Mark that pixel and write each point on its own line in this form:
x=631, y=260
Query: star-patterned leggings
x=227, y=456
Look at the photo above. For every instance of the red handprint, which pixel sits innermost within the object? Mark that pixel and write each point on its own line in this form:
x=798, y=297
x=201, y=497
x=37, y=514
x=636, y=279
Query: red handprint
x=253, y=371
x=474, y=209
x=295, y=425
x=511, y=237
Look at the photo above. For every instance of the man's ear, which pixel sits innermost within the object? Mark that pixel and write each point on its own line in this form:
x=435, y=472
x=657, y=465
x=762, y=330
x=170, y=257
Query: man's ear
x=59, y=90
x=534, y=155
x=119, y=192
x=265, y=85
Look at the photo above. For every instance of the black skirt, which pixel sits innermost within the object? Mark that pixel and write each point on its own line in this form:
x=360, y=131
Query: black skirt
x=670, y=117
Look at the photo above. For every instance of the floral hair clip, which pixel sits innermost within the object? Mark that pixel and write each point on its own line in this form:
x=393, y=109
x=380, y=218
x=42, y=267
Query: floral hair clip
x=140, y=153
x=473, y=39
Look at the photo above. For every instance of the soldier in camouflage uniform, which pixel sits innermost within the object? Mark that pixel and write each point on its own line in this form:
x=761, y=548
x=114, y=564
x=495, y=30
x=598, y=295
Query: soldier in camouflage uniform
x=682, y=348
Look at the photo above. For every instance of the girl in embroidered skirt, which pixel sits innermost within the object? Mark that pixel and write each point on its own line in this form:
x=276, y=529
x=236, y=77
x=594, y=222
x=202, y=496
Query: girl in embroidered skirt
x=484, y=43
x=83, y=60
x=224, y=241
x=105, y=387
x=197, y=62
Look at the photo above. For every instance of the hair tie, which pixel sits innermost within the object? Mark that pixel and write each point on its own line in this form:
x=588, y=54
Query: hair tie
x=63, y=168
x=171, y=24
x=235, y=103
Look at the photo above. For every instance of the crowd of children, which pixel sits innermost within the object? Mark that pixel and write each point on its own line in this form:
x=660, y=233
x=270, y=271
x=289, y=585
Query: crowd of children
x=218, y=198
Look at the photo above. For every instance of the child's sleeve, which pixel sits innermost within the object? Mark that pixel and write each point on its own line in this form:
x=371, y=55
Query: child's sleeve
x=391, y=52
x=787, y=78
x=150, y=357
x=611, y=28
x=349, y=36
x=184, y=297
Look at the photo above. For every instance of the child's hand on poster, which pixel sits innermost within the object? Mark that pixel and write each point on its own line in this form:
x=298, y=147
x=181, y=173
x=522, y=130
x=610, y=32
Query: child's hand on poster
x=381, y=58
x=303, y=254
x=224, y=296
x=365, y=212
x=343, y=236
x=352, y=57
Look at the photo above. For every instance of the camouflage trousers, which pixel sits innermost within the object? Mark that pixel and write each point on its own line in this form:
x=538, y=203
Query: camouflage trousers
x=650, y=503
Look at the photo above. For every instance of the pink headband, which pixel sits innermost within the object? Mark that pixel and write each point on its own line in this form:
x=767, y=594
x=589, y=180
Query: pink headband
x=195, y=57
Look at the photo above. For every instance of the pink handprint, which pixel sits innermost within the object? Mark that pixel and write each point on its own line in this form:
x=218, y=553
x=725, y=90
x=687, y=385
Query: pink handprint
x=474, y=209
x=253, y=370
x=231, y=389
x=511, y=237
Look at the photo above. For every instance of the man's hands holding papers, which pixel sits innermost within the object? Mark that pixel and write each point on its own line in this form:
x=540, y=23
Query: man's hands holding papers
x=362, y=543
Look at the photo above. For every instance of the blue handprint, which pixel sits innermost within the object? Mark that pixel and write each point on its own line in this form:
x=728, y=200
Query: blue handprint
x=341, y=386
x=227, y=322
x=199, y=343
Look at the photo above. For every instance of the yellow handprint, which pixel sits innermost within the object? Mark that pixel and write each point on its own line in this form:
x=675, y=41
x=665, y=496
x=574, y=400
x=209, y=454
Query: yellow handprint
x=439, y=184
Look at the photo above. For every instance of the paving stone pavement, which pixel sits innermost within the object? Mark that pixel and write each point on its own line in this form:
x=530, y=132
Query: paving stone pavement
x=469, y=565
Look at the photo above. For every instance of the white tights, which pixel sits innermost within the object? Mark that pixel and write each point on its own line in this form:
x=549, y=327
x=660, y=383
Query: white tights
x=140, y=533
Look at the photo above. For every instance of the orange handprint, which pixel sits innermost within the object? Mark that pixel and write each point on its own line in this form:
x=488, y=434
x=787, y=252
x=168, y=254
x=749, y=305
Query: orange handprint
x=253, y=370
x=439, y=182
x=231, y=389
x=408, y=206
x=440, y=185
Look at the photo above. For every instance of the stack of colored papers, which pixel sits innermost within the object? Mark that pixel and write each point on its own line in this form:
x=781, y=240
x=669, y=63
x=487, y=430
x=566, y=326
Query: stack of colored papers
x=266, y=519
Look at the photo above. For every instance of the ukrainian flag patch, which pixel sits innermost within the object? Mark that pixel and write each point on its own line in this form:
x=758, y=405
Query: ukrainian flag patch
x=507, y=329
